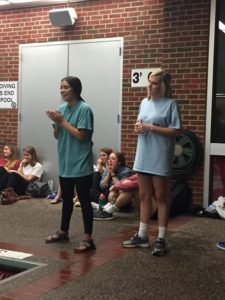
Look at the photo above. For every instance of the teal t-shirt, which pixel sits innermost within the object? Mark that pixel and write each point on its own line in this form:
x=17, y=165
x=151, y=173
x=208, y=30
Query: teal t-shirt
x=75, y=157
x=155, y=152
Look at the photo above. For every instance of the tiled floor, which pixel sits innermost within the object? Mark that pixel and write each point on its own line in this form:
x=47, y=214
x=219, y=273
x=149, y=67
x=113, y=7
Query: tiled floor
x=107, y=250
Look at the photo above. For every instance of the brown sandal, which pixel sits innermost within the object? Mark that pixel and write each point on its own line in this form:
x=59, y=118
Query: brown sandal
x=57, y=237
x=85, y=246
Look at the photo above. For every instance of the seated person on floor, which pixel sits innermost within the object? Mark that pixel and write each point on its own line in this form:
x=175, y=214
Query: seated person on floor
x=8, y=162
x=125, y=192
x=116, y=170
x=99, y=169
x=121, y=194
x=29, y=170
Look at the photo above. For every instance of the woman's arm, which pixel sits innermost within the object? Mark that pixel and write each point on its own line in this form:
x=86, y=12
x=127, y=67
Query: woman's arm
x=142, y=127
x=27, y=177
x=35, y=173
x=105, y=180
x=80, y=134
x=57, y=117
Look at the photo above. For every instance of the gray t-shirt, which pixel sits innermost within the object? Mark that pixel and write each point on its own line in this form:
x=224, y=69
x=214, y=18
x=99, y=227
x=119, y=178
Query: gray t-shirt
x=154, y=153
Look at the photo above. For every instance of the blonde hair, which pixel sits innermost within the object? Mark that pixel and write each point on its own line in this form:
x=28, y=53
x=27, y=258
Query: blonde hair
x=165, y=79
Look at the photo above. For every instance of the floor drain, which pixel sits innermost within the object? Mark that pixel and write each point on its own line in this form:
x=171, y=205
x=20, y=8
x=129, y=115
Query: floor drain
x=11, y=268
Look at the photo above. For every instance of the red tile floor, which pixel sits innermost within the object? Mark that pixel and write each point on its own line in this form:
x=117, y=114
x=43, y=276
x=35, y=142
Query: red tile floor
x=109, y=249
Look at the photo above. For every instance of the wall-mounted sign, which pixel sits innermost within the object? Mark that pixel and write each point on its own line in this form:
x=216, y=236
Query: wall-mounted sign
x=139, y=77
x=8, y=94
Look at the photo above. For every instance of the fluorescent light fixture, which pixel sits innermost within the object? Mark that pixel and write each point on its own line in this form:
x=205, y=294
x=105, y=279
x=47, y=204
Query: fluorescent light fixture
x=222, y=26
x=22, y=1
x=4, y=2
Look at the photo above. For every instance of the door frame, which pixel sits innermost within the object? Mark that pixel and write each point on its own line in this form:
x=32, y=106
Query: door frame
x=210, y=148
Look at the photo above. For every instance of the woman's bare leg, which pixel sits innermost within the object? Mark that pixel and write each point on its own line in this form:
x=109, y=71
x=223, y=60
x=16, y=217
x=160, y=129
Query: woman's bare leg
x=146, y=192
x=161, y=195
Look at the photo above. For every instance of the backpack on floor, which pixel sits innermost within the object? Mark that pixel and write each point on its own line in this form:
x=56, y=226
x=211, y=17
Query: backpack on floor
x=38, y=189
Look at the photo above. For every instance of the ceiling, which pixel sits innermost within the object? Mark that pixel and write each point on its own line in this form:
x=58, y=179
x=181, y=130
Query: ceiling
x=13, y=4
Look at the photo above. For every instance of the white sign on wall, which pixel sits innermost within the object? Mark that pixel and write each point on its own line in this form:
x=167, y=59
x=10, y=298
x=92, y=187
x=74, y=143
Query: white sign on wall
x=8, y=94
x=139, y=77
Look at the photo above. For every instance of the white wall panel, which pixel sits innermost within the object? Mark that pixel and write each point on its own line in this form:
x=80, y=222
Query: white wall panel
x=42, y=67
x=98, y=64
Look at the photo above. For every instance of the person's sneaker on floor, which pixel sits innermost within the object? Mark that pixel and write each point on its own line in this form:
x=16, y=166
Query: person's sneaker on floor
x=51, y=195
x=221, y=245
x=97, y=213
x=136, y=241
x=102, y=215
x=159, y=247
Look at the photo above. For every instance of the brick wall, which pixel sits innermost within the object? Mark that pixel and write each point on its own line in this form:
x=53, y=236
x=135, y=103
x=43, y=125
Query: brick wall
x=172, y=34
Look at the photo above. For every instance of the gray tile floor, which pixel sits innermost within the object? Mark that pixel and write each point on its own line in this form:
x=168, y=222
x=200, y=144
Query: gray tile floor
x=193, y=269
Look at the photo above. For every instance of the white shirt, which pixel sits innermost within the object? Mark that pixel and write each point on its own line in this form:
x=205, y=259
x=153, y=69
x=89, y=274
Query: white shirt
x=36, y=170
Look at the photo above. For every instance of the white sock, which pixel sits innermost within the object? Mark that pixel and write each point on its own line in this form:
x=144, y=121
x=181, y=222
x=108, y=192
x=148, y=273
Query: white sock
x=110, y=208
x=162, y=232
x=108, y=204
x=143, y=228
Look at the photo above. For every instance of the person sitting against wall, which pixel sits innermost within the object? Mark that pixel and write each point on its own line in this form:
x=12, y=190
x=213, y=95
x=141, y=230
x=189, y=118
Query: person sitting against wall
x=8, y=162
x=99, y=169
x=29, y=170
x=124, y=193
x=121, y=194
x=116, y=170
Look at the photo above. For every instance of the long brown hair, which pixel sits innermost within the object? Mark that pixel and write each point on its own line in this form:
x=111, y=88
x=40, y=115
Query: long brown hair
x=75, y=84
x=13, y=157
x=106, y=150
x=121, y=158
x=31, y=150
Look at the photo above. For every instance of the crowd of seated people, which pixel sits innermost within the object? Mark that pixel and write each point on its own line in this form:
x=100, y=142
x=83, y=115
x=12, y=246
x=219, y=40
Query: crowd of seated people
x=112, y=177
x=15, y=175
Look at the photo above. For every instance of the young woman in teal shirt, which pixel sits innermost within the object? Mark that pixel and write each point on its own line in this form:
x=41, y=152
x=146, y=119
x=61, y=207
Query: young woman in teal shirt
x=73, y=128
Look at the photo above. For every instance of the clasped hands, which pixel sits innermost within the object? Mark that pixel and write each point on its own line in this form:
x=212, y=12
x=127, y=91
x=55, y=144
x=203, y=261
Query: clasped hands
x=55, y=116
x=141, y=127
x=111, y=170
